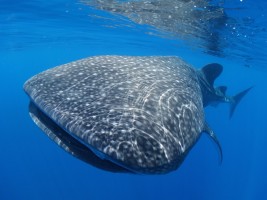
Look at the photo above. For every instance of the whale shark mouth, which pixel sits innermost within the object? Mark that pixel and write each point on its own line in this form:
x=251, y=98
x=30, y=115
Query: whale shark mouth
x=69, y=143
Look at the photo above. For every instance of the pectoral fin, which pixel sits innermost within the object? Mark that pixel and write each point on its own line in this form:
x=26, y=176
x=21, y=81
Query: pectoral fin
x=210, y=132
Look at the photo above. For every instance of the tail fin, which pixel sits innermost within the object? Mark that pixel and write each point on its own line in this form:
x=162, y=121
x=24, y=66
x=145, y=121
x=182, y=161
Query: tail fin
x=236, y=100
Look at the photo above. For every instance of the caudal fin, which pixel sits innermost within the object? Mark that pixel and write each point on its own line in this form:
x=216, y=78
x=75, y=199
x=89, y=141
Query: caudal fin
x=236, y=100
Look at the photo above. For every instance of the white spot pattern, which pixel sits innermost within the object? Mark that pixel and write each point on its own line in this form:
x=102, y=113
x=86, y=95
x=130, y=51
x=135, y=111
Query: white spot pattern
x=142, y=112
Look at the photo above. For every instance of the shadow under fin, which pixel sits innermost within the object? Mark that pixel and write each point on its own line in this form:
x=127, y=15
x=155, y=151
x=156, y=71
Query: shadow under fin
x=212, y=71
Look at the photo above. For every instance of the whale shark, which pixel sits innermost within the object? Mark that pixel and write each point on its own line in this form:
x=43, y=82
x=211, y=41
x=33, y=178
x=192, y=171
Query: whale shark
x=131, y=114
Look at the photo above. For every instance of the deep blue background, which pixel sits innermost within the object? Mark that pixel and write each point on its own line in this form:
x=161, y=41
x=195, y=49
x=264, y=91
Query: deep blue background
x=35, y=36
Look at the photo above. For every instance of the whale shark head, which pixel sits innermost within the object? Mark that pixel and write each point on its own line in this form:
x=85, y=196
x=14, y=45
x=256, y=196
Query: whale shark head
x=140, y=114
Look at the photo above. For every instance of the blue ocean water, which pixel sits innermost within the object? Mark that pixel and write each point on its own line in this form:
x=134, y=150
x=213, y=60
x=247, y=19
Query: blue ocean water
x=36, y=35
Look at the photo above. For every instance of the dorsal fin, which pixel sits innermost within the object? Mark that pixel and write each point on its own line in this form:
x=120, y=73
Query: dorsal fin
x=222, y=89
x=212, y=71
x=210, y=132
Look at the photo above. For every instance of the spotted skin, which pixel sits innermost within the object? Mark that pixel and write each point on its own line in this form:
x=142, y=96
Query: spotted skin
x=142, y=114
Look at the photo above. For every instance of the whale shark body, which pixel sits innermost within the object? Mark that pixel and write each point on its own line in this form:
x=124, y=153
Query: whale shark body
x=136, y=114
